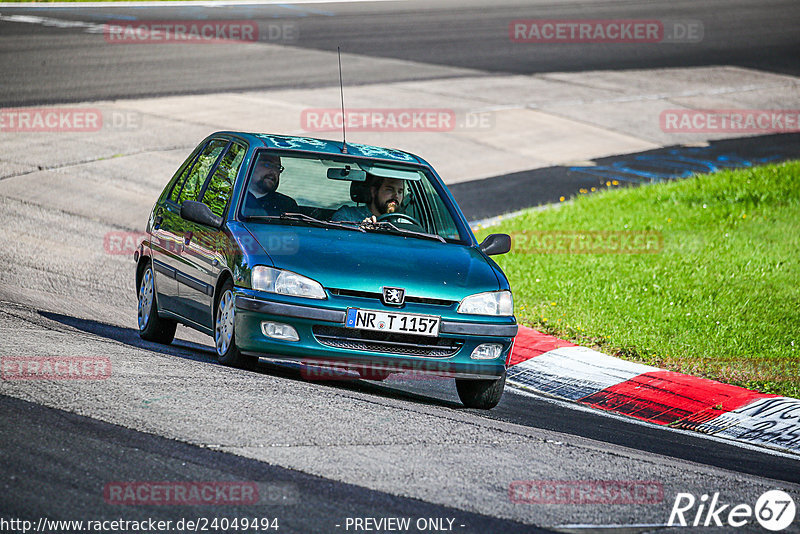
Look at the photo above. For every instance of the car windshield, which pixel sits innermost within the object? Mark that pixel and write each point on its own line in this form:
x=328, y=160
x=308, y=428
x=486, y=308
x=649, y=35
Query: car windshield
x=342, y=192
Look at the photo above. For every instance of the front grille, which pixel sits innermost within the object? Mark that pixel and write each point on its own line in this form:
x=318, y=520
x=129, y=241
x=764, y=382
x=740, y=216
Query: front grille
x=389, y=343
x=377, y=296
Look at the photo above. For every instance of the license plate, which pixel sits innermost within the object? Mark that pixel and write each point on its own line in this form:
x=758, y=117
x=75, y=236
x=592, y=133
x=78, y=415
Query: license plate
x=400, y=323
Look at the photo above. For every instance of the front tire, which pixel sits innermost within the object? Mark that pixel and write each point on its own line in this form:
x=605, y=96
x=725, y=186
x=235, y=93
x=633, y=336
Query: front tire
x=224, y=335
x=480, y=394
x=151, y=326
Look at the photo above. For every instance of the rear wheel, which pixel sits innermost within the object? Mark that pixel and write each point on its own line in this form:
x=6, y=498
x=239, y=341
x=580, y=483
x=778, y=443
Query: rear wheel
x=151, y=326
x=224, y=336
x=481, y=394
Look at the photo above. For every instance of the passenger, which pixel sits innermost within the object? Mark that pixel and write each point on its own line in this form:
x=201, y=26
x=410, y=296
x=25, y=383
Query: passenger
x=262, y=197
x=386, y=195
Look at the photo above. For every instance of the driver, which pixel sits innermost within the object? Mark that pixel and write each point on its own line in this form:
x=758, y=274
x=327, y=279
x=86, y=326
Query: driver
x=386, y=194
x=262, y=197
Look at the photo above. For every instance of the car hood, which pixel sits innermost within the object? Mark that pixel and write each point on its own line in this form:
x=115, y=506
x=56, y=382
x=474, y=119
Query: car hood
x=344, y=259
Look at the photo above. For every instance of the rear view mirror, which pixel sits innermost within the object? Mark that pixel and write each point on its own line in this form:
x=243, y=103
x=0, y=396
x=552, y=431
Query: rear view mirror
x=346, y=173
x=199, y=213
x=496, y=244
x=390, y=172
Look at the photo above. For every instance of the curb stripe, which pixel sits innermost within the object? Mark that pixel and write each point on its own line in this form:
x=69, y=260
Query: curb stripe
x=772, y=421
x=574, y=372
x=556, y=367
x=667, y=397
x=529, y=343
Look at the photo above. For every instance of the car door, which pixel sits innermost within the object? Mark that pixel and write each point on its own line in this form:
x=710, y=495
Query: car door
x=174, y=229
x=202, y=254
x=165, y=242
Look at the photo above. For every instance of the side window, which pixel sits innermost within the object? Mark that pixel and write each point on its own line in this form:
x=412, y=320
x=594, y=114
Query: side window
x=181, y=175
x=442, y=220
x=197, y=176
x=218, y=190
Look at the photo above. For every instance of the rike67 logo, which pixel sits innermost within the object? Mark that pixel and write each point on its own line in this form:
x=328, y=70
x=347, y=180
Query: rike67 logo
x=774, y=510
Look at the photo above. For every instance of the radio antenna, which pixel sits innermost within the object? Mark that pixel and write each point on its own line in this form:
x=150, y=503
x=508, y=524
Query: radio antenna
x=341, y=92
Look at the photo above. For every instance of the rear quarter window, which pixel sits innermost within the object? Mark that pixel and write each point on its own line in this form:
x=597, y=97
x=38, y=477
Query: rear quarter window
x=218, y=190
x=190, y=187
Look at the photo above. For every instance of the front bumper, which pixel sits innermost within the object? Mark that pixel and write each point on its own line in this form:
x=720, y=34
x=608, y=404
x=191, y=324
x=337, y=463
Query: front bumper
x=324, y=339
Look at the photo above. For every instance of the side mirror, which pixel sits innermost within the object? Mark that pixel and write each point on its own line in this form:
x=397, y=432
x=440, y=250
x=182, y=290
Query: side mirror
x=496, y=244
x=197, y=212
x=346, y=173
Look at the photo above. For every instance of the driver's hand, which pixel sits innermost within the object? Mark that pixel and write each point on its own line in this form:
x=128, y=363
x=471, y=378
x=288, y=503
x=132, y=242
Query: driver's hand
x=368, y=220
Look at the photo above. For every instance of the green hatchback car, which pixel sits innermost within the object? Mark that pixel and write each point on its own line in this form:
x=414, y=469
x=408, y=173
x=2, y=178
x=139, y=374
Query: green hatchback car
x=351, y=258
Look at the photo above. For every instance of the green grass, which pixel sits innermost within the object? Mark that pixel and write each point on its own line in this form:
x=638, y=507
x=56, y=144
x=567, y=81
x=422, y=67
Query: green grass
x=719, y=300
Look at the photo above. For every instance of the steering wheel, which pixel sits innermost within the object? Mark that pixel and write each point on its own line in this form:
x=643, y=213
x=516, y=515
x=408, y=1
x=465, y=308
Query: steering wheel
x=399, y=217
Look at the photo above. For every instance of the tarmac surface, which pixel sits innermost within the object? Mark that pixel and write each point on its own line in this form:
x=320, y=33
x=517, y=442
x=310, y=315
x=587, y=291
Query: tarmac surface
x=402, y=447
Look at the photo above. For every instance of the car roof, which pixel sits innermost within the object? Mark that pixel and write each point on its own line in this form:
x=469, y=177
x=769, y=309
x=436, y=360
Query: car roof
x=311, y=144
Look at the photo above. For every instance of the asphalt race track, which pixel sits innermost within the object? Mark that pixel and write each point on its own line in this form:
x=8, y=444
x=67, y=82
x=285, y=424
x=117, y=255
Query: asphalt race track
x=489, y=197
x=320, y=453
x=62, y=64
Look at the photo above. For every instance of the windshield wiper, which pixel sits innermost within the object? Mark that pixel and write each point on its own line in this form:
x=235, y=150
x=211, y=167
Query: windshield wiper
x=403, y=231
x=304, y=218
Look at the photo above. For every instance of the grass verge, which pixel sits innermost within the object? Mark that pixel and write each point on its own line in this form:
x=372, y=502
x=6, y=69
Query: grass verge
x=716, y=296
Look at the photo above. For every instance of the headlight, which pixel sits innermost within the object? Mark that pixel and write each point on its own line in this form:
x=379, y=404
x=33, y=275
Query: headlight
x=285, y=283
x=490, y=303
